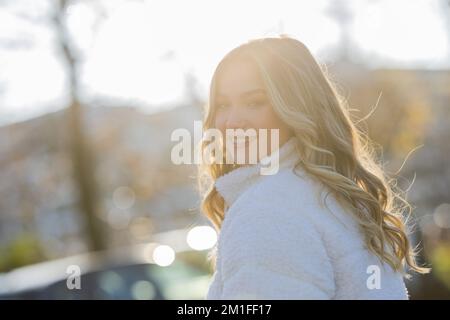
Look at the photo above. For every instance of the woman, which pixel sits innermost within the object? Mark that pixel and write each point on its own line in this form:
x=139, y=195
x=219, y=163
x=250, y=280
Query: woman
x=327, y=224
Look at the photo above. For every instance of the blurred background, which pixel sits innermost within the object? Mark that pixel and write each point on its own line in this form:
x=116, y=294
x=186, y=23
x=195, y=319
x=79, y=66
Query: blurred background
x=91, y=90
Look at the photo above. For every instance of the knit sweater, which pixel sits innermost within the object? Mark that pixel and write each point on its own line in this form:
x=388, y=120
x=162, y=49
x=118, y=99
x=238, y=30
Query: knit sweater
x=277, y=241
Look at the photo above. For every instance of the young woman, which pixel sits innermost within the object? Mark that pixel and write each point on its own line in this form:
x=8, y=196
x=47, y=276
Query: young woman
x=327, y=224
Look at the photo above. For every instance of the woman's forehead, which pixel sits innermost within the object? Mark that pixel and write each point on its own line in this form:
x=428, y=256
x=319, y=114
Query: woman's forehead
x=239, y=77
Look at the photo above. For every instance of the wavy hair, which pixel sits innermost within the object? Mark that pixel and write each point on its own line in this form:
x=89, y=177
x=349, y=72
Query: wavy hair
x=333, y=149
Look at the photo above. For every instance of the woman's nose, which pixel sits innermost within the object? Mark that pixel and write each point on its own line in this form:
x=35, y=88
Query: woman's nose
x=235, y=120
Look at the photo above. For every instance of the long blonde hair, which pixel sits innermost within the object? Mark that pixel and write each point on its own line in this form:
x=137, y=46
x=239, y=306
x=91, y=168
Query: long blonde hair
x=333, y=150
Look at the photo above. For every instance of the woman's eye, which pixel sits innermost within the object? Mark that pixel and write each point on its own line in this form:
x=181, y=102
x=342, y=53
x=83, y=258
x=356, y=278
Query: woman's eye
x=255, y=104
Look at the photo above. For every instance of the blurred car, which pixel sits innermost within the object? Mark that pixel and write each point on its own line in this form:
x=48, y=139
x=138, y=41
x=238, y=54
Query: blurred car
x=122, y=273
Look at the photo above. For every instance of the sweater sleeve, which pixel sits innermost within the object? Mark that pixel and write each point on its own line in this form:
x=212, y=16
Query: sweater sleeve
x=270, y=253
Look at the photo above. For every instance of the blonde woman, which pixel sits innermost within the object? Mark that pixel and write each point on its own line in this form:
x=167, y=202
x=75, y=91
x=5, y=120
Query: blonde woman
x=327, y=224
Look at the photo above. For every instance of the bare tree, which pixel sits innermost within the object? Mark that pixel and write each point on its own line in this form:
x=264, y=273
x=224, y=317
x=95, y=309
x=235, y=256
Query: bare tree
x=82, y=155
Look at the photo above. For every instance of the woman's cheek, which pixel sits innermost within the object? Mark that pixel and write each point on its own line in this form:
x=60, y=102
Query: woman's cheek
x=261, y=118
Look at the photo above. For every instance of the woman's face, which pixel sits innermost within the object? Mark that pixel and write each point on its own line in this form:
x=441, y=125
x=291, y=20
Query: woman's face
x=243, y=103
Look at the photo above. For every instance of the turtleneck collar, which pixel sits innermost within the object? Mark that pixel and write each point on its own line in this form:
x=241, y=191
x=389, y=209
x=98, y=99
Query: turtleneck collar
x=232, y=184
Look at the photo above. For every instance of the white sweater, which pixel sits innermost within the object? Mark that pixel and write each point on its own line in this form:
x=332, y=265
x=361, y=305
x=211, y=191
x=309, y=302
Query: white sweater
x=278, y=242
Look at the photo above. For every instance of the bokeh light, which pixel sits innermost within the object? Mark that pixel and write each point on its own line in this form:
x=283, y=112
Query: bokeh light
x=163, y=255
x=201, y=237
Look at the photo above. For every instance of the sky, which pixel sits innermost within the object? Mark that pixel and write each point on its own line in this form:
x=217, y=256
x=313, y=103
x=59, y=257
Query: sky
x=139, y=52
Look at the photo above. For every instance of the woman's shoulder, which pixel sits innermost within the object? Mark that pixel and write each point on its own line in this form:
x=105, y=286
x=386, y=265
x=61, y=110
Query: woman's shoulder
x=289, y=183
x=292, y=207
x=289, y=189
x=300, y=192
x=303, y=203
x=284, y=204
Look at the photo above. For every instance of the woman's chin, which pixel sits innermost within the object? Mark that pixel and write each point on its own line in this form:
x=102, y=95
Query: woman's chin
x=243, y=151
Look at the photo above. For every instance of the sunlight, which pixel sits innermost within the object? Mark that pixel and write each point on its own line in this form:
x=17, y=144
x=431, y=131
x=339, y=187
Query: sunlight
x=403, y=31
x=125, y=62
x=140, y=52
x=166, y=42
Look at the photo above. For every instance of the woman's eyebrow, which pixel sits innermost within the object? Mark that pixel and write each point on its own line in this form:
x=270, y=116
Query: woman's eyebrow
x=252, y=92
